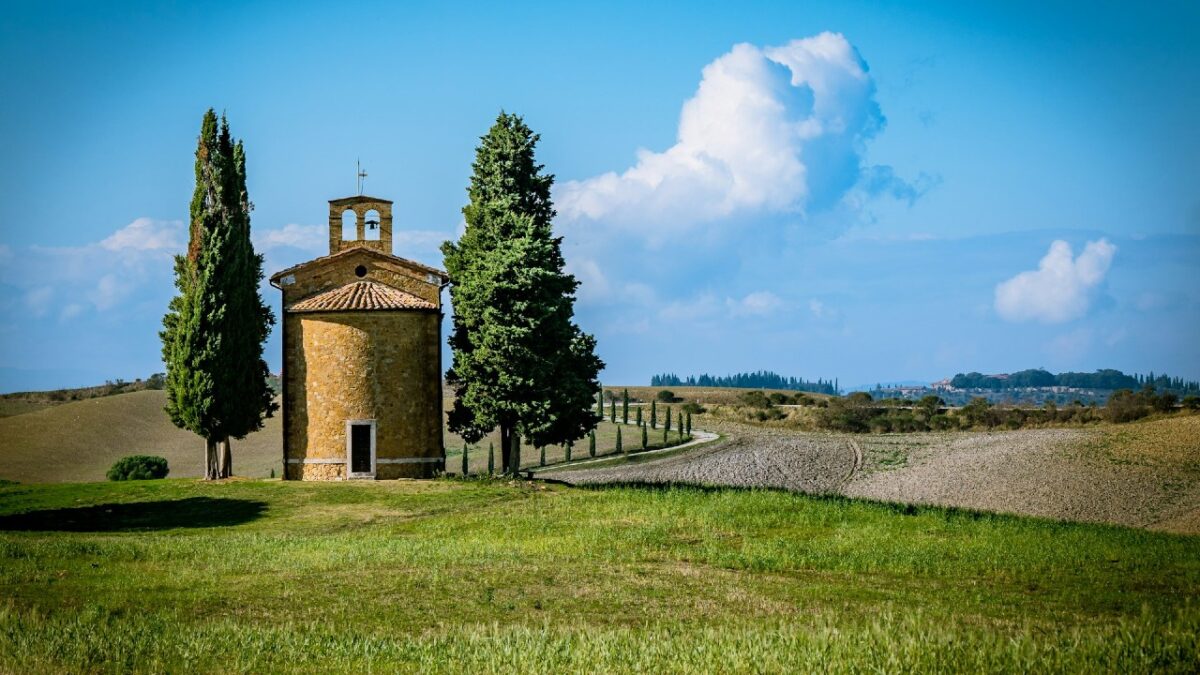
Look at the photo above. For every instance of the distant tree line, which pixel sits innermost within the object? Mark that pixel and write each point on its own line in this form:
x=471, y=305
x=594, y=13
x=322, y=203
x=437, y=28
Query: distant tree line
x=763, y=379
x=858, y=412
x=1107, y=378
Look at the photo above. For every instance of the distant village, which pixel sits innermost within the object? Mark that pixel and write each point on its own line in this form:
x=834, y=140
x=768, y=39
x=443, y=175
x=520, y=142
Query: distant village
x=1034, y=386
x=1037, y=386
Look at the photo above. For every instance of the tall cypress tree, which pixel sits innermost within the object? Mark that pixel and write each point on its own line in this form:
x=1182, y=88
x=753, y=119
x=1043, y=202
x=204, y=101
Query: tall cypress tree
x=215, y=327
x=519, y=360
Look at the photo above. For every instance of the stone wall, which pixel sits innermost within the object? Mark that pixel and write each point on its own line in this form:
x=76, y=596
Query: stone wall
x=381, y=365
x=322, y=276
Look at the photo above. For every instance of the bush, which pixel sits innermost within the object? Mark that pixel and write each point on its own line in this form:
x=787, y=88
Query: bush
x=755, y=399
x=1165, y=402
x=769, y=414
x=943, y=422
x=1191, y=402
x=666, y=396
x=138, y=467
x=1125, y=406
x=777, y=398
x=852, y=413
x=694, y=408
x=978, y=413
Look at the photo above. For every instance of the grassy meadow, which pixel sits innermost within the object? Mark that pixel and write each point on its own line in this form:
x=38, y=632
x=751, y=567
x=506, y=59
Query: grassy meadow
x=454, y=575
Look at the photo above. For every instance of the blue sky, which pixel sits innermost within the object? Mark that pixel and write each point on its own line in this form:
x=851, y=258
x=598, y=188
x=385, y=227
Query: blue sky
x=868, y=191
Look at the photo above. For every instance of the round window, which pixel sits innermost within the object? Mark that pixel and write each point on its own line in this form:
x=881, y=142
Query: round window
x=360, y=271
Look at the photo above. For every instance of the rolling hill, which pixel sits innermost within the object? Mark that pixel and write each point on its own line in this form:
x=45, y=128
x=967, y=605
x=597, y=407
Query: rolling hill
x=80, y=440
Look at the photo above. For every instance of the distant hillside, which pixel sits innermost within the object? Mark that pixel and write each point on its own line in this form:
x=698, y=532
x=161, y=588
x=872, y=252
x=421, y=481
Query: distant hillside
x=21, y=402
x=80, y=440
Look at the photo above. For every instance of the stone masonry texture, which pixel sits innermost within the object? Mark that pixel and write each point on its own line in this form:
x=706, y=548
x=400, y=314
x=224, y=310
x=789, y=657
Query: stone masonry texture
x=361, y=364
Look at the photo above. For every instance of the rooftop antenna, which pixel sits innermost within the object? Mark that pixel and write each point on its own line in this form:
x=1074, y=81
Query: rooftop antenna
x=361, y=175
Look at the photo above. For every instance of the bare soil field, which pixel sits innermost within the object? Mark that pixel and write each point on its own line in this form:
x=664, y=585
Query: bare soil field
x=802, y=462
x=1145, y=474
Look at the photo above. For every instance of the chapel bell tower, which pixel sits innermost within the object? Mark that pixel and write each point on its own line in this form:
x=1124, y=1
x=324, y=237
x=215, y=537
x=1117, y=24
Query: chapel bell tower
x=360, y=221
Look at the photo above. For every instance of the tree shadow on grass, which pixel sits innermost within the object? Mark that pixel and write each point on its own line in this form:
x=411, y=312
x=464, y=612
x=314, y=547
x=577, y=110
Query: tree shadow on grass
x=139, y=516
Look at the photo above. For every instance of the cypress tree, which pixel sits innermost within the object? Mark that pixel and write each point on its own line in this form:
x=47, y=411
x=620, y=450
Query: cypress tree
x=519, y=360
x=667, y=421
x=639, y=416
x=542, y=459
x=464, y=466
x=600, y=403
x=619, y=450
x=592, y=443
x=625, y=406
x=653, y=414
x=567, y=450
x=614, y=411
x=689, y=423
x=645, y=439
x=665, y=432
x=214, y=329
x=491, y=458
x=680, y=426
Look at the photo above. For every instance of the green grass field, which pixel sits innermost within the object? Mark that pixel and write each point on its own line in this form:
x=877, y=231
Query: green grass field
x=447, y=575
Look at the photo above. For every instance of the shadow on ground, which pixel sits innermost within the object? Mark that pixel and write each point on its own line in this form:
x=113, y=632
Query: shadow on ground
x=139, y=516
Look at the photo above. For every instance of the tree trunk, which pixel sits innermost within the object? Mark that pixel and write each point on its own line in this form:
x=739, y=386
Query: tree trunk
x=210, y=459
x=225, y=470
x=505, y=449
x=516, y=453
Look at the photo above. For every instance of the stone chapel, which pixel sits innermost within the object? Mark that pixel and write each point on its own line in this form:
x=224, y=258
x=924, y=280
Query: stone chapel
x=362, y=394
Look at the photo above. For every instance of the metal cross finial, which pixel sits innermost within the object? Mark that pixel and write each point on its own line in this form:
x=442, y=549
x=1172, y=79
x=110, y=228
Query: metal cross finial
x=361, y=175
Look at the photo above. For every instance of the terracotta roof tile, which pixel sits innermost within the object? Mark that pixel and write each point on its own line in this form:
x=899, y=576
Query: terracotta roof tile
x=361, y=296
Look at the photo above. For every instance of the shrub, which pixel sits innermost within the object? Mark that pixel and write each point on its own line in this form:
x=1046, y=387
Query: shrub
x=943, y=422
x=755, y=399
x=1165, y=402
x=693, y=408
x=666, y=396
x=978, y=413
x=769, y=414
x=777, y=398
x=138, y=467
x=852, y=413
x=1191, y=402
x=1125, y=406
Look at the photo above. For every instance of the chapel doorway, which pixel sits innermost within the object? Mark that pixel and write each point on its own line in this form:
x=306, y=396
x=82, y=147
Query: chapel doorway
x=362, y=449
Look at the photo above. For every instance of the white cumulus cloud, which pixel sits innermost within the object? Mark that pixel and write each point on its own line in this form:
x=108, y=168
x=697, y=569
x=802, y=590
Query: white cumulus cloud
x=769, y=130
x=146, y=234
x=1060, y=289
